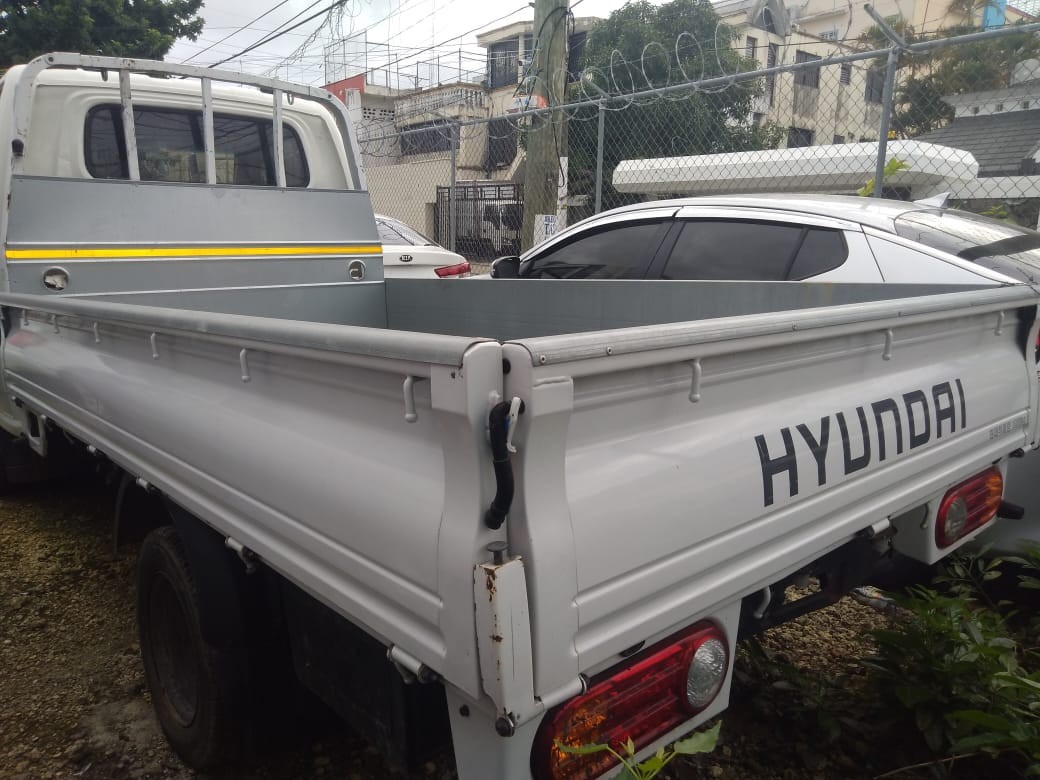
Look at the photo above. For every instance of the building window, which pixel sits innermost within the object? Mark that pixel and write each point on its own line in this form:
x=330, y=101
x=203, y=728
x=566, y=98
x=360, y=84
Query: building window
x=501, y=142
x=752, y=48
x=808, y=76
x=829, y=35
x=1000, y=106
x=875, y=89
x=846, y=74
x=1025, y=104
x=799, y=136
x=504, y=62
x=839, y=139
x=427, y=138
x=758, y=119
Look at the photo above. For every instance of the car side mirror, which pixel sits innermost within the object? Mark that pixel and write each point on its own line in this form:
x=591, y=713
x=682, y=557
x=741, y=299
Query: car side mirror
x=507, y=267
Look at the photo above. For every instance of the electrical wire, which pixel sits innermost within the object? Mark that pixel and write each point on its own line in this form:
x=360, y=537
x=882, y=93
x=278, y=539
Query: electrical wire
x=247, y=25
x=281, y=32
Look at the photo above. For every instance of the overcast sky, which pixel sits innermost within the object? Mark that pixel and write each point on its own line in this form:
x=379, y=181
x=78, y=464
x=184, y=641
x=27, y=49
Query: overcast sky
x=408, y=26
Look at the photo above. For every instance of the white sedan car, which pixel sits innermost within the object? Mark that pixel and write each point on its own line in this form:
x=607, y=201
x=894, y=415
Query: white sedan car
x=784, y=238
x=408, y=253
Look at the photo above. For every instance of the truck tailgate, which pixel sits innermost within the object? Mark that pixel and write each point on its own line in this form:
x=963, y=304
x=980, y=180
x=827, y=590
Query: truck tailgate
x=664, y=471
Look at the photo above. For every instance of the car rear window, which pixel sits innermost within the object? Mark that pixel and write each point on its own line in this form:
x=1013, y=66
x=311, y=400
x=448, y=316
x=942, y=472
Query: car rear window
x=393, y=231
x=743, y=250
x=170, y=147
x=996, y=245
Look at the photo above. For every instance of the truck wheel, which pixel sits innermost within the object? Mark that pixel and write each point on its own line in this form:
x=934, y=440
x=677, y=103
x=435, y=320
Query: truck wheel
x=196, y=688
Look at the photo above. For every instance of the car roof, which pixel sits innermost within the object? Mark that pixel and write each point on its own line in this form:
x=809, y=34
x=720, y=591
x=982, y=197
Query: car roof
x=879, y=213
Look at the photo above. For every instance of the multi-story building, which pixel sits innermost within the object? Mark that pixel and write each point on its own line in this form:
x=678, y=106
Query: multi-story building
x=409, y=140
x=838, y=103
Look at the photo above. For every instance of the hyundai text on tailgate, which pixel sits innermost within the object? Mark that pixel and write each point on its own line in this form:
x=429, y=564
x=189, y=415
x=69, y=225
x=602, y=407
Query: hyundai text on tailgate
x=500, y=515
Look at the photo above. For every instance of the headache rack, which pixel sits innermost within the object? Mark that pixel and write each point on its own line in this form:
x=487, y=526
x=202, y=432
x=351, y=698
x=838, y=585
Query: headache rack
x=279, y=90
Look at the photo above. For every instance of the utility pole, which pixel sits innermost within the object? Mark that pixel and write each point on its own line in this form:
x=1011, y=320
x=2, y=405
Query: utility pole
x=547, y=137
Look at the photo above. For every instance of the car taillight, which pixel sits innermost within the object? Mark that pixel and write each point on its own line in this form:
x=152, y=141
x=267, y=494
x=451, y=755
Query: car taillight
x=452, y=270
x=665, y=686
x=968, y=505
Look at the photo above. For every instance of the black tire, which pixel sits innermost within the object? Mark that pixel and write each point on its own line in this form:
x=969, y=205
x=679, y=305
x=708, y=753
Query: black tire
x=198, y=691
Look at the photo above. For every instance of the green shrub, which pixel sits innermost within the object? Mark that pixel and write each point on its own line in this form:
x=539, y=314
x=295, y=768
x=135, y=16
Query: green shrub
x=953, y=666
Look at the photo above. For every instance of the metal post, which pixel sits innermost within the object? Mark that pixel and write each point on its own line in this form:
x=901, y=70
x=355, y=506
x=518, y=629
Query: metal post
x=279, y=152
x=898, y=45
x=886, y=118
x=452, y=195
x=208, y=144
x=133, y=169
x=599, y=157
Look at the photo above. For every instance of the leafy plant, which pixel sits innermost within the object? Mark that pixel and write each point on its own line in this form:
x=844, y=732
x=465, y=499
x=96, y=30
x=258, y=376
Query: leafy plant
x=966, y=575
x=954, y=668
x=699, y=742
x=1029, y=561
x=892, y=166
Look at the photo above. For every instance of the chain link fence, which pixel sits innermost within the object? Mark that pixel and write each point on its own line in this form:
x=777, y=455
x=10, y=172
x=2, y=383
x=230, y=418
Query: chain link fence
x=958, y=116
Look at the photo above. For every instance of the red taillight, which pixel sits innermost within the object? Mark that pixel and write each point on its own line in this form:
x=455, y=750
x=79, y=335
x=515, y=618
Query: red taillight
x=452, y=270
x=967, y=506
x=665, y=686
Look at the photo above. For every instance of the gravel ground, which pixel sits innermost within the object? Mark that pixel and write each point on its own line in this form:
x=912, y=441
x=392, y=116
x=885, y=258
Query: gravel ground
x=73, y=702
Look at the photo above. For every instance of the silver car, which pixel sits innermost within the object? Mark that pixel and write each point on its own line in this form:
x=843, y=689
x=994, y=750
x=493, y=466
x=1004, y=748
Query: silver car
x=797, y=238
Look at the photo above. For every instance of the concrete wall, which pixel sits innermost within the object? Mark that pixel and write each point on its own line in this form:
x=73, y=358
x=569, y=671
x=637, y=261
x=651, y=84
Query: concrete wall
x=408, y=190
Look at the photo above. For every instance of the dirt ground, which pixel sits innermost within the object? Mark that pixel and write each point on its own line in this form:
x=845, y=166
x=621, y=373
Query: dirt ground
x=73, y=701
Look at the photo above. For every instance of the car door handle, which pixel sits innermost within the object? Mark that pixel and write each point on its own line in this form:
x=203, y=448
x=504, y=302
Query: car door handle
x=405, y=258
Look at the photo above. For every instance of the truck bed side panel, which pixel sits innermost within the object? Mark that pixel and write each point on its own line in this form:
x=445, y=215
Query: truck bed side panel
x=307, y=459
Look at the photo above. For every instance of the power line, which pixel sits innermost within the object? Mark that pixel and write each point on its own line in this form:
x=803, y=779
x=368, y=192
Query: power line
x=236, y=32
x=398, y=60
x=274, y=36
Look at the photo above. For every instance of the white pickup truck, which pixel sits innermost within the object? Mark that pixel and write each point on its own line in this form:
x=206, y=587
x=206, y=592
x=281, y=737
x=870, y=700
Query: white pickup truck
x=494, y=513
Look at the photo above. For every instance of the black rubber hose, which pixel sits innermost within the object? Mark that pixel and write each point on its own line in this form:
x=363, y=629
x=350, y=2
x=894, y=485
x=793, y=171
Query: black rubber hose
x=498, y=426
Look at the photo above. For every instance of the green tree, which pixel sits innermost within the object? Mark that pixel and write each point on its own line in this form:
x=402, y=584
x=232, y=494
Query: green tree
x=924, y=79
x=125, y=28
x=640, y=47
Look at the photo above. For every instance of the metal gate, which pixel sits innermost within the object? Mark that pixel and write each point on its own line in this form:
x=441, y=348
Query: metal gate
x=488, y=219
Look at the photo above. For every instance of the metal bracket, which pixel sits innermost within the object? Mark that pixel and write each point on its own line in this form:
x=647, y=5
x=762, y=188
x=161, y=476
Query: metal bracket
x=410, y=667
x=247, y=556
x=695, y=381
x=516, y=406
x=1000, y=324
x=243, y=363
x=410, y=415
x=154, y=341
x=886, y=354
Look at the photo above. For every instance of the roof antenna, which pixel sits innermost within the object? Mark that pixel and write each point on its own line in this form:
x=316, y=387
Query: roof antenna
x=937, y=201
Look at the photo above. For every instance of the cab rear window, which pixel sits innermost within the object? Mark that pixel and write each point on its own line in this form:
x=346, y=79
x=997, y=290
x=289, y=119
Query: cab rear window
x=170, y=147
